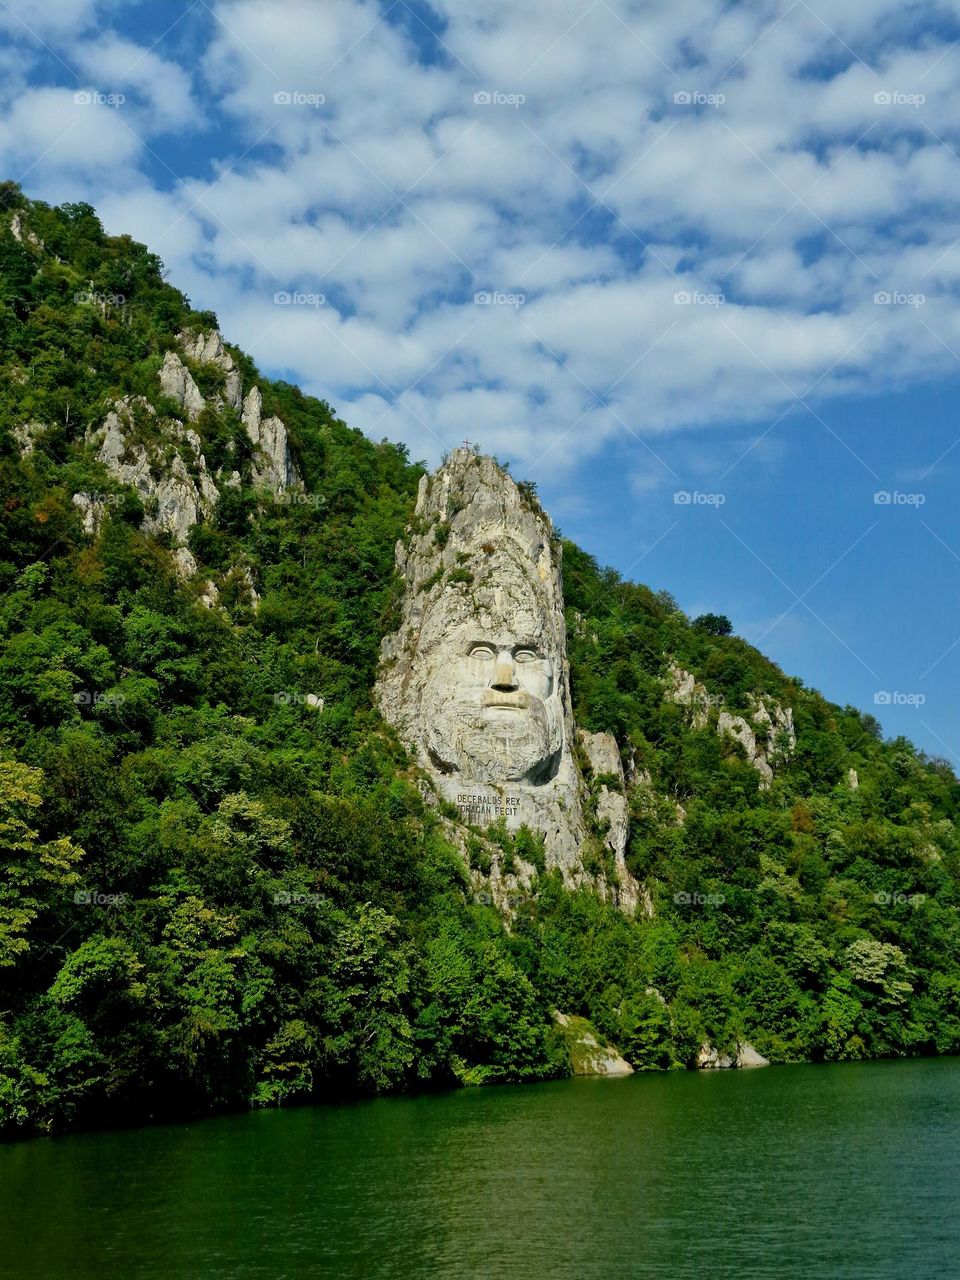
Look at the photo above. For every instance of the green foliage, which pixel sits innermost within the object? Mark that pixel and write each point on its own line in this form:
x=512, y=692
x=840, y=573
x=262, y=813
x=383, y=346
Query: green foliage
x=215, y=895
x=714, y=624
x=812, y=920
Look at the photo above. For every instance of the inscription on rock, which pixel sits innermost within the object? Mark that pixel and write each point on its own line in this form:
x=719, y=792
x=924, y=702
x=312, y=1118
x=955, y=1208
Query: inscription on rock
x=483, y=809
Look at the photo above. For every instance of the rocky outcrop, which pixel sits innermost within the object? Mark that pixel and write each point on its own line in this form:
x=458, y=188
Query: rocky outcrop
x=92, y=511
x=273, y=464
x=165, y=463
x=476, y=678
x=207, y=348
x=25, y=434
x=768, y=737
x=175, y=496
x=744, y=1056
x=768, y=741
x=589, y=1057
x=22, y=235
x=612, y=811
x=177, y=382
x=747, y=1056
x=687, y=691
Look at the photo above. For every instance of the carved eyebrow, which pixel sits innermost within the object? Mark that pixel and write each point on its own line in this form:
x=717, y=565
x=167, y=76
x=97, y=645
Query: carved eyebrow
x=494, y=647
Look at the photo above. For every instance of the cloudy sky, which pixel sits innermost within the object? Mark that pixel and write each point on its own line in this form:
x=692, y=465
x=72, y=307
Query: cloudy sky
x=691, y=266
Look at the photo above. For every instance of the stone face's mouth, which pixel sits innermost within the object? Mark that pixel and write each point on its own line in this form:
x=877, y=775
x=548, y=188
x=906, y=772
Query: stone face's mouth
x=494, y=700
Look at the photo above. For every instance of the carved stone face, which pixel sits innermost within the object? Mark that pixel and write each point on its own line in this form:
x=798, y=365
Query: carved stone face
x=492, y=705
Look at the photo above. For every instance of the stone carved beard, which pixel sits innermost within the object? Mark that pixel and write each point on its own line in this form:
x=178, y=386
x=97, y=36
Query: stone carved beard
x=490, y=743
x=490, y=674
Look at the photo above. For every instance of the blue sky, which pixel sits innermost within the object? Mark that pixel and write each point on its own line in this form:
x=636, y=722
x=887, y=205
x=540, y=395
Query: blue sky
x=702, y=251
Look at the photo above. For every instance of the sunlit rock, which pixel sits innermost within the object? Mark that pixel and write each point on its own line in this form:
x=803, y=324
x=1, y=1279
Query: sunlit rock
x=476, y=676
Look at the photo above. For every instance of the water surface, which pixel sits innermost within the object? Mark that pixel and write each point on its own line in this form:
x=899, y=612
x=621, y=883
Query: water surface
x=840, y=1171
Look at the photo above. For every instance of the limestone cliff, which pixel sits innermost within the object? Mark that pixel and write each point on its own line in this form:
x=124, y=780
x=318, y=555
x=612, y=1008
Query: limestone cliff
x=476, y=676
x=162, y=459
x=768, y=737
x=612, y=810
x=168, y=471
x=476, y=679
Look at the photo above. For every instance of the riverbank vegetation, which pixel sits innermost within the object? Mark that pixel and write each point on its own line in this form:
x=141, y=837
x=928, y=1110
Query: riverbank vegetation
x=215, y=896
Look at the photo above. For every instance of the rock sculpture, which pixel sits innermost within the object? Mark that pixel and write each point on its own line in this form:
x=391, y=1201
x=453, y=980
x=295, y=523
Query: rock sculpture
x=476, y=676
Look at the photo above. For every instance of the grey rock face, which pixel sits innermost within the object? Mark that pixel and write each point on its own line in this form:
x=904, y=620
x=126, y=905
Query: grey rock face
x=745, y=1056
x=589, y=1056
x=25, y=434
x=767, y=741
x=273, y=464
x=208, y=348
x=92, y=511
x=613, y=811
x=476, y=677
x=175, y=498
x=20, y=234
x=687, y=691
x=177, y=382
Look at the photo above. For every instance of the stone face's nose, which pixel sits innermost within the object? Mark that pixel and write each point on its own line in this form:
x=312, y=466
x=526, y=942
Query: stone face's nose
x=505, y=673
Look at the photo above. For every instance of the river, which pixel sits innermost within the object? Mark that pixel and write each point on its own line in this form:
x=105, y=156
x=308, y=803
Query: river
x=851, y=1170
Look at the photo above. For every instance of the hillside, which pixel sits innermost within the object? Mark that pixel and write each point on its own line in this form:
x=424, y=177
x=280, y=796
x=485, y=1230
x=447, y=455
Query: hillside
x=224, y=882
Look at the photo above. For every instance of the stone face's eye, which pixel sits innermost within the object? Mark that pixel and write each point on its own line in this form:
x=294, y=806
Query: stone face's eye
x=525, y=655
x=481, y=651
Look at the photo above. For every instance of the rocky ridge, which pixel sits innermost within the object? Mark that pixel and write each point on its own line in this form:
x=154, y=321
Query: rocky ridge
x=768, y=738
x=163, y=460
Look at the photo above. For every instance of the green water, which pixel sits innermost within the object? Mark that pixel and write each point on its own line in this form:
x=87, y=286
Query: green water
x=841, y=1171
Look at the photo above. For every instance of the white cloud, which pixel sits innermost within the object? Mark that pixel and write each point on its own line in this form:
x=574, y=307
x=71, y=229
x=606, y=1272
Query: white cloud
x=165, y=88
x=61, y=129
x=792, y=193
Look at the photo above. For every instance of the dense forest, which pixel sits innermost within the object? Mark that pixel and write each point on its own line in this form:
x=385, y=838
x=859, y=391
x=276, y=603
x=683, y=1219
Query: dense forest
x=214, y=896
